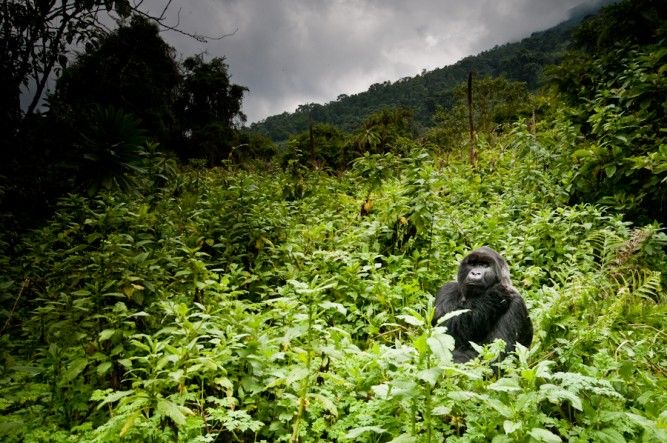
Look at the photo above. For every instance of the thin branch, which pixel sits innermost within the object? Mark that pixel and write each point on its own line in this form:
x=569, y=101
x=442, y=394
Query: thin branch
x=50, y=62
x=16, y=302
x=164, y=11
x=199, y=37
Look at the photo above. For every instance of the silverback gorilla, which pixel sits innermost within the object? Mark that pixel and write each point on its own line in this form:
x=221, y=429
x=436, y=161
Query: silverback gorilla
x=495, y=308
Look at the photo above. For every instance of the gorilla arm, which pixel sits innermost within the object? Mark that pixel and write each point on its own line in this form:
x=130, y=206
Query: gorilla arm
x=477, y=323
x=513, y=325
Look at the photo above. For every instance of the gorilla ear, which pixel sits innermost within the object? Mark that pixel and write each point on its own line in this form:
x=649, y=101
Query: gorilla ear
x=504, y=269
x=505, y=272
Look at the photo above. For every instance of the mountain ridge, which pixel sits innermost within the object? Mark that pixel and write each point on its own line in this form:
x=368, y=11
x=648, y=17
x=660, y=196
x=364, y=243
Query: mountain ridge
x=523, y=60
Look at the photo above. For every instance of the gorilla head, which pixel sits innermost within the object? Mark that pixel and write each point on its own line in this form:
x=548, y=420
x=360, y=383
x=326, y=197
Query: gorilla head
x=495, y=308
x=480, y=270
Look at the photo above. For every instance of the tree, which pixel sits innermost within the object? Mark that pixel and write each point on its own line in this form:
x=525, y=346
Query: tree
x=329, y=143
x=208, y=109
x=614, y=81
x=40, y=153
x=495, y=101
x=38, y=36
x=131, y=69
x=35, y=37
x=381, y=130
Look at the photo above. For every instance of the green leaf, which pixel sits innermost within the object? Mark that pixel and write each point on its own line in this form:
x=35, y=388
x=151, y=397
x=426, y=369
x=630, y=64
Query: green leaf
x=430, y=375
x=441, y=346
x=452, y=314
x=104, y=367
x=327, y=404
x=556, y=394
x=462, y=395
x=107, y=334
x=544, y=435
x=129, y=423
x=609, y=435
x=404, y=438
x=411, y=320
x=336, y=306
x=511, y=426
x=506, y=385
x=381, y=391
x=499, y=406
x=74, y=369
x=114, y=397
x=582, y=153
x=610, y=170
x=420, y=343
x=173, y=411
x=357, y=432
x=441, y=410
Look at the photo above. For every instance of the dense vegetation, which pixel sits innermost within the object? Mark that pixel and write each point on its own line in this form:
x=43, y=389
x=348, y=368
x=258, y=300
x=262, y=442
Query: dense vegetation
x=163, y=301
x=125, y=89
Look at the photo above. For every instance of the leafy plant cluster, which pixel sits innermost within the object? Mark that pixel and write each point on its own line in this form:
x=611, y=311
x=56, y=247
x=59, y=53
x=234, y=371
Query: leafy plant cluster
x=616, y=87
x=212, y=307
x=291, y=300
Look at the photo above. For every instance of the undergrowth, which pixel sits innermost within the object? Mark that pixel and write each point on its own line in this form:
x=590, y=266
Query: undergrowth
x=260, y=305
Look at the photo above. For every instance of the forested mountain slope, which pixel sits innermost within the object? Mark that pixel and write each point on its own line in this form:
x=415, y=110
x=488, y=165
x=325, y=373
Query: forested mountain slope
x=520, y=61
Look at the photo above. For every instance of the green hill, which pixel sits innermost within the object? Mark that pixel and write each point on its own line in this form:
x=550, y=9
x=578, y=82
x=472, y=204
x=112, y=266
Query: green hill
x=521, y=61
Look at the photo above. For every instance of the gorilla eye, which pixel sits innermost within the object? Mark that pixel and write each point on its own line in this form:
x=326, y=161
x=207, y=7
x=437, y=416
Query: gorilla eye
x=478, y=264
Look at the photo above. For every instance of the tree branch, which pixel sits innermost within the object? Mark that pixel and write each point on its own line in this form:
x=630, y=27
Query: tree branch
x=160, y=20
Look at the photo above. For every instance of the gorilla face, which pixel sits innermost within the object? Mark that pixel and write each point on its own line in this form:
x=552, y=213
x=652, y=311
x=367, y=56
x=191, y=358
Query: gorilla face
x=480, y=270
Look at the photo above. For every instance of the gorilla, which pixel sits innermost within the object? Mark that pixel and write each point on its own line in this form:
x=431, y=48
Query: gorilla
x=495, y=308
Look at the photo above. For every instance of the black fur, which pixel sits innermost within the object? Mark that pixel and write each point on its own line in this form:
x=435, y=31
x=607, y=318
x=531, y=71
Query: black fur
x=496, y=310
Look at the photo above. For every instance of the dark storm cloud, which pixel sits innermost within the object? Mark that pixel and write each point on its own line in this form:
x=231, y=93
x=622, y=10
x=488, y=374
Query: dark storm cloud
x=290, y=52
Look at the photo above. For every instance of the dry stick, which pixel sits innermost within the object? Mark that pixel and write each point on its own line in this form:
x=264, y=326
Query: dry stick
x=16, y=302
x=311, y=138
x=472, y=129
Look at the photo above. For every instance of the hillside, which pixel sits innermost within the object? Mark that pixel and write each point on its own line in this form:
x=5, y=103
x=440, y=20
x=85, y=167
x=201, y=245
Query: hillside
x=520, y=61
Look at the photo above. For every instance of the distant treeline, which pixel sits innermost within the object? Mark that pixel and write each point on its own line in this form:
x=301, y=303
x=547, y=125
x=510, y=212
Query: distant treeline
x=523, y=61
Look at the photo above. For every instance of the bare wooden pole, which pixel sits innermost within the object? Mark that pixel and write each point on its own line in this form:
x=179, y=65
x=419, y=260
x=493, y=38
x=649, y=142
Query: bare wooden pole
x=311, y=138
x=473, y=154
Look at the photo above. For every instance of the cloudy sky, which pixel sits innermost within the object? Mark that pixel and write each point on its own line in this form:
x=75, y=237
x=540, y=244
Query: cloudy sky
x=290, y=52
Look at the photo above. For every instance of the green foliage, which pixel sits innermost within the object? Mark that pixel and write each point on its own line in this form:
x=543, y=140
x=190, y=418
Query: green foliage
x=382, y=131
x=36, y=38
x=617, y=92
x=220, y=310
x=637, y=22
x=207, y=108
x=322, y=146
x=111, y=148
x=496, y=101
x=217, y=305
x=131, y=69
